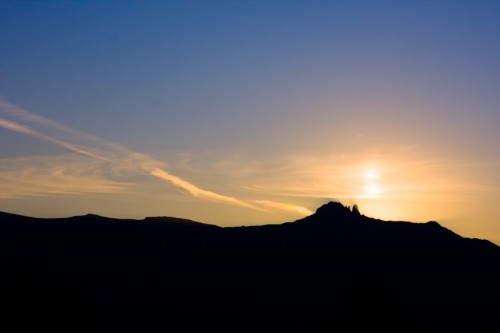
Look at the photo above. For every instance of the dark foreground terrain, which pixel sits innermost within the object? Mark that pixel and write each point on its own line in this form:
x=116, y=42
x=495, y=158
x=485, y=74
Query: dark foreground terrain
x=333, y=271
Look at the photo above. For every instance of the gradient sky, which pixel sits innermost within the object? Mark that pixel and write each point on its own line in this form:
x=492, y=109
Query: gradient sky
x=252, y=112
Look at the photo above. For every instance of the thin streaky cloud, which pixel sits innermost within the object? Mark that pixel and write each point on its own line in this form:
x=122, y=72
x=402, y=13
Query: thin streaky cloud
x=23, y=129
x=162, y=174
x=284, y=206
x=199, y=192
x=117, y=153
x=48, y=176
x=21, y=114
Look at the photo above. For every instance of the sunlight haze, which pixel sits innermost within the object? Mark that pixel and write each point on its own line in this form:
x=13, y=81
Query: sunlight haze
x=252, y=112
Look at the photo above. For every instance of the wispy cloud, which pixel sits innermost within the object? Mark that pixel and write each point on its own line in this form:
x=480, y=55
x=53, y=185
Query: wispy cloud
x=113, y=154
x=16, y=127
x=403, y=173
x=55, y=176
x=284, y=206
x=345, y=178
x=104, y=151
x=199, y=192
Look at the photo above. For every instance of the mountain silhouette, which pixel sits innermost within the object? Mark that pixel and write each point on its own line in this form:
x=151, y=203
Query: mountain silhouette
x=335, y=270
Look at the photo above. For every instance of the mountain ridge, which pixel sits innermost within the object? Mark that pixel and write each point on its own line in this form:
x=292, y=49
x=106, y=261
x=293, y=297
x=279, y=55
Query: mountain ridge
x=332, y=210
x=333, y=270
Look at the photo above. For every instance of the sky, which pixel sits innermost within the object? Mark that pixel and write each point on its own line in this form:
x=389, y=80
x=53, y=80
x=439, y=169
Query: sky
x=252, y=112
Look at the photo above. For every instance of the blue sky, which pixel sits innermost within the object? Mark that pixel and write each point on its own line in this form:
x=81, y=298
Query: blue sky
x=280, y=105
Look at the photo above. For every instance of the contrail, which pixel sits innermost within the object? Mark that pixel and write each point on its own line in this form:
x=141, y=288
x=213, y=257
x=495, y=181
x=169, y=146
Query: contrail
x=24, y=115
x=198, y=192
x=114, y=153
x=13, y=126
x=284, y=206
x=162, y=174
x=144, y=162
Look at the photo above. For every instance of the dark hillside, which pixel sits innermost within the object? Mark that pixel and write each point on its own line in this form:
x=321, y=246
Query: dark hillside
x=333, y=269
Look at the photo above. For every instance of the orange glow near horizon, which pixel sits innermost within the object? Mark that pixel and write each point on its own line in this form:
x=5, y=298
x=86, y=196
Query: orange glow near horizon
x=235, y=116
x=371, y=188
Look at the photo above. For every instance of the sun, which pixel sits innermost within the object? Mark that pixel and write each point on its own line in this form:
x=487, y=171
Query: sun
x=372, y=190
x=370, y=183
x=371, y=174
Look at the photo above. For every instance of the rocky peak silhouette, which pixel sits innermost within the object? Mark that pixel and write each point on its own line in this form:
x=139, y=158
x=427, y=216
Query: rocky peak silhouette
x=334, y=212
x=332, y=208
x=326, y=272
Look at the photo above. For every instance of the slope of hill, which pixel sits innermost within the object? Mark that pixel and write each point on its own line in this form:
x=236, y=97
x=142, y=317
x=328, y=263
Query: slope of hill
x=333, y=269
